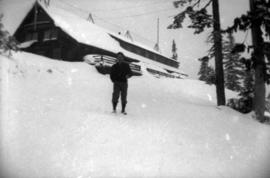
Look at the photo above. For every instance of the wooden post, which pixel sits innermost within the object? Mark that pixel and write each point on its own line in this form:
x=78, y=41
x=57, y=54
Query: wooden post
x=259, y=88
x=218, y=55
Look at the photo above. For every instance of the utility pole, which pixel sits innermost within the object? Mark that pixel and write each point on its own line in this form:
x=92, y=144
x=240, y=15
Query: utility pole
x=259, y=88
x=158, y=31
x=218, y=55
x=157, y=44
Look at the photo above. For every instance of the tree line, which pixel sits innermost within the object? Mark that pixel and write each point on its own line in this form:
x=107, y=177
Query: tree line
x=247, y=76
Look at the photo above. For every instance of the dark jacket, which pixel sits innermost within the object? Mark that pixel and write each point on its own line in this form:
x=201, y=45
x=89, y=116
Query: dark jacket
x=120, y=72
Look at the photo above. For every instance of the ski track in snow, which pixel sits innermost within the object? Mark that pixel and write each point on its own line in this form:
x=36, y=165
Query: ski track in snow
x=56, y=121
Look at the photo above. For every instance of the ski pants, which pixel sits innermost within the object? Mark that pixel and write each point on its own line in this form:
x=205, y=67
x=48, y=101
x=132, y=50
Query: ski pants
x=119, y=88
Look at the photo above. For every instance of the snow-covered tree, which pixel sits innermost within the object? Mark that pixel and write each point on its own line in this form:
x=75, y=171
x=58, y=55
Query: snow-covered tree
x=206, y=72
x=174, y=51
x=7, y=42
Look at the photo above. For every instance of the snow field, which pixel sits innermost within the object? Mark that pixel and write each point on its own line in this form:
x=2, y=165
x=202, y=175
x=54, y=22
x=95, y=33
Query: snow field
x=56, y=121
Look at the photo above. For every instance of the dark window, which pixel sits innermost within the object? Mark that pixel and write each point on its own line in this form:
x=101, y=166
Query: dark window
x=50, y=34
x=54, y=34
x=47, y=35
x=31, y=36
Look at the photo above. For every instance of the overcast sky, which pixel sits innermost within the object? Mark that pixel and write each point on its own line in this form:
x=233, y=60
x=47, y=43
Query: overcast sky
x=140, y=18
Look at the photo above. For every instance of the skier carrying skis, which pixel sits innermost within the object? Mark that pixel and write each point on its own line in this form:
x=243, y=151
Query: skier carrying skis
x=120, y=73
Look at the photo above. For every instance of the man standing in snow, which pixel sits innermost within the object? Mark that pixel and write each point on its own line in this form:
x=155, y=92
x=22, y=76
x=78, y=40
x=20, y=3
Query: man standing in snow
x=120, y=72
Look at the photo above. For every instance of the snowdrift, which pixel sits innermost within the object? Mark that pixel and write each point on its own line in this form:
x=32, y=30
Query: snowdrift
x=56, y=121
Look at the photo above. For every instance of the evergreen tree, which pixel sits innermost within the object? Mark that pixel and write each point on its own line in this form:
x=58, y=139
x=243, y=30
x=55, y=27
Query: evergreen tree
x=206, y=72
x=174, y=51
x=233, y=68
x=235, y=71
x=244, y=104
x=7, y=42
x=248, y=83
x=201, y=19
x=211, y=76
x=257, y=19
x=247, y=92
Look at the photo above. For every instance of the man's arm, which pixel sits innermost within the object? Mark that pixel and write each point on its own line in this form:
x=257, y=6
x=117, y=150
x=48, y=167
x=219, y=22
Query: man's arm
x=129, y=72
x=112, y=73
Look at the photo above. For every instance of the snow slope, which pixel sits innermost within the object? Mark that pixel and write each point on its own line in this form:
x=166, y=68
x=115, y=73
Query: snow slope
x=56, y=122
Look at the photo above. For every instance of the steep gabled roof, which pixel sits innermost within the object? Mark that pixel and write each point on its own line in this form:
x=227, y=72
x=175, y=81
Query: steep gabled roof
x=88, y=33
x=80, y=29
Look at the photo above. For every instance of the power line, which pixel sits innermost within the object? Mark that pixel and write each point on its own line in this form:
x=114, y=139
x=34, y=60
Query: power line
x=107, y=21
x=132, y=7
x=119, y=27
x=112, y=24
x=119, y=9
x=141, y=14
x=74, y=6
x=119, y=17
x=87, y=13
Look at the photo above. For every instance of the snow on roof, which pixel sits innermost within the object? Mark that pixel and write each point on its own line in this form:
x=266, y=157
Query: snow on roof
x=88, y=33
x=55, y=8
x=137, y=44
x=26, y=44
x=81, y=30
x=149, y=62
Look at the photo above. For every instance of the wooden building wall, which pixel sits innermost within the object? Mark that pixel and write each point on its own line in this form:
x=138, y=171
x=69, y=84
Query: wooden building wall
x=49, y=40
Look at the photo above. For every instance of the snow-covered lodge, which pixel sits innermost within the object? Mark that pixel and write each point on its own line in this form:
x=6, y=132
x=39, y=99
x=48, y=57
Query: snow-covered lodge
x=56, y=33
